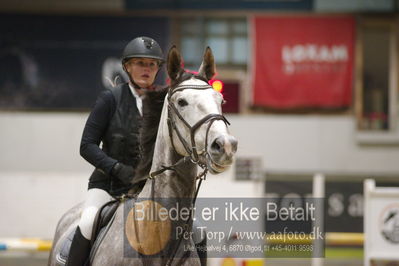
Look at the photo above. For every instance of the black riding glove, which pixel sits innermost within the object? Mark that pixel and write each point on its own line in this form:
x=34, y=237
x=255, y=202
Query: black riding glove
x=124, y=173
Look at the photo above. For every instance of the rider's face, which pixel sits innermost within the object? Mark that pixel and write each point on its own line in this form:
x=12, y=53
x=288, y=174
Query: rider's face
x=142, y=70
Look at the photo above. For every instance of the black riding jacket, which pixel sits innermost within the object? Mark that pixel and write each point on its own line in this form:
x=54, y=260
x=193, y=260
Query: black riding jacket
x=115, y=121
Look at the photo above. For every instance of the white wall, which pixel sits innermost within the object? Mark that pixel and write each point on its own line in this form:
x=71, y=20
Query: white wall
x=32, y=202
x=42, y=174
x=41, y=141
x=311, y=143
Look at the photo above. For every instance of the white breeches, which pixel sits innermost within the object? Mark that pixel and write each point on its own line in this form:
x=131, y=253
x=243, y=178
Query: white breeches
x=94, y=200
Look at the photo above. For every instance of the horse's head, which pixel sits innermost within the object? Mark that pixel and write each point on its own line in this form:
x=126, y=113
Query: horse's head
x=197, y=127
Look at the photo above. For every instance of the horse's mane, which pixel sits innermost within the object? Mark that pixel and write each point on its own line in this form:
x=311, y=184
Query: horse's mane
x=152, y=109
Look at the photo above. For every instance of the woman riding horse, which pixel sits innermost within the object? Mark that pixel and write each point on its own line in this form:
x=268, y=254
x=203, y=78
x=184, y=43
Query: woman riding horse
x=183, y=131
x=115, y=121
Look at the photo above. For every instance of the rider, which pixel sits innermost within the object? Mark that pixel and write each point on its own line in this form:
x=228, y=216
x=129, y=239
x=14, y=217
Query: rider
x=115, y=121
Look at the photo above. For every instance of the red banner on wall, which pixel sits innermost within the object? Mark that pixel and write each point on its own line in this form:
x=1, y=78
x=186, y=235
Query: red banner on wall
x=303, y=61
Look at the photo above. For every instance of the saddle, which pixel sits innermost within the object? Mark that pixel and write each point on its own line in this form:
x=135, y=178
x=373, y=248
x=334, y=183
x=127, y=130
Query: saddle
x=102, y=222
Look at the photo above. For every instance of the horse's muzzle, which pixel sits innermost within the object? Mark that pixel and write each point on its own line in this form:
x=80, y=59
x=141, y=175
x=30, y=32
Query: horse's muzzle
x=221, y=151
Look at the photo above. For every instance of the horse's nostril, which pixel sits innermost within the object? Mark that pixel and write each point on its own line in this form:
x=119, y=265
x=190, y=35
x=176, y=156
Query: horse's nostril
x=217, y=145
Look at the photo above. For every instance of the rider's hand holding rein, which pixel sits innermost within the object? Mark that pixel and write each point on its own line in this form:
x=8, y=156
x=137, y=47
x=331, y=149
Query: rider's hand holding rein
x=123, y=172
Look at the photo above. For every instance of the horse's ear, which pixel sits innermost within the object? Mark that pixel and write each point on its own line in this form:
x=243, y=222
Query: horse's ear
x=174, y=63
x=207, y=68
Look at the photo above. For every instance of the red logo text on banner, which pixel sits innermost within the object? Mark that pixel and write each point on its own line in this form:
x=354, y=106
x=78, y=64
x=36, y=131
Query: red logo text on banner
x=303, y=61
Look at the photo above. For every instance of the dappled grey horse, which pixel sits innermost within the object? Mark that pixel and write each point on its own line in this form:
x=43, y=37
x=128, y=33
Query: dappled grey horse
x=184, y=136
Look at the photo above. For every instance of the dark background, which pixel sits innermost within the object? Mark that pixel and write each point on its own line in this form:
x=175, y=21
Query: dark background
x=55, y=62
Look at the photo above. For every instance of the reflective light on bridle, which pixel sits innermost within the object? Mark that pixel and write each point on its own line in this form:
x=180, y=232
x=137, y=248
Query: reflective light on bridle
x=210, y=119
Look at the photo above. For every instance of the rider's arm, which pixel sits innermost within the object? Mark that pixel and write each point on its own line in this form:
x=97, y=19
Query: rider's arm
x=95, y=128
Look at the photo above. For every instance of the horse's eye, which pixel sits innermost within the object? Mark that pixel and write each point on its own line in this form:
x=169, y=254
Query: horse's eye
x=182, y=102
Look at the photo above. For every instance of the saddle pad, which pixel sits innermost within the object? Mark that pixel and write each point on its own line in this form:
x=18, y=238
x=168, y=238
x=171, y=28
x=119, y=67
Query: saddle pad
x=62, y=256
x=103, y=221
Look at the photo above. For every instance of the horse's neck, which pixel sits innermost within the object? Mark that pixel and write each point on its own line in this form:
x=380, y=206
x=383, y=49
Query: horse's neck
x=169, y=184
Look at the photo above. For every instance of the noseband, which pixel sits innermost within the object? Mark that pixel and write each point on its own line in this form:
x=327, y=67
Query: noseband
x=192, y=151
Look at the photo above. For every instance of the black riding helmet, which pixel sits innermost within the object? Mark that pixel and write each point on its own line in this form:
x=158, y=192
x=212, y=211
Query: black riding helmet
x=144, y=47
